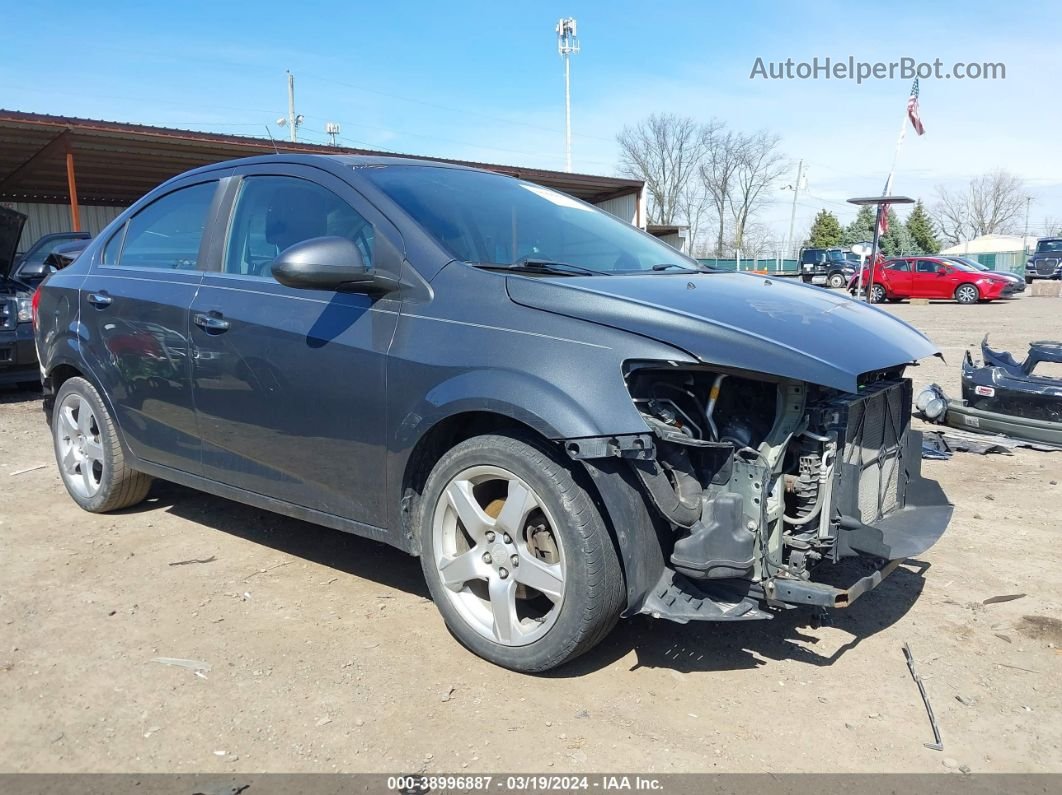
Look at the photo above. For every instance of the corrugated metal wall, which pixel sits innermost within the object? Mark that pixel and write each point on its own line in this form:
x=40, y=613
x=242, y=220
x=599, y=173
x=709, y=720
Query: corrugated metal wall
x=43, y=219
x=625, y=207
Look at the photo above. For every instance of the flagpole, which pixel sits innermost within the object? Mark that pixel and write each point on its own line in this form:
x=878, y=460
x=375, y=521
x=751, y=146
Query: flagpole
x=881, y=210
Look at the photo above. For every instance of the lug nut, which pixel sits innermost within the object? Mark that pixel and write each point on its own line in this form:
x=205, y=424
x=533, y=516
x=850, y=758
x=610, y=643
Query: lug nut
x=490, y=535
x=487, y=557
x=515, y=560
x=503, y=573
x=506, y=539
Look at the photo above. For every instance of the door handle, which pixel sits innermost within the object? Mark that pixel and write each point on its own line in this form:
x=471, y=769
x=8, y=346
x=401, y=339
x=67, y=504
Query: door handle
x=100, y=299
x=211, y=323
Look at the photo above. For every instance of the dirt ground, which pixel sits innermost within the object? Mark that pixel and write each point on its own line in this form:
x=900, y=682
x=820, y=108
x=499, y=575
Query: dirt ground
x=325, y=653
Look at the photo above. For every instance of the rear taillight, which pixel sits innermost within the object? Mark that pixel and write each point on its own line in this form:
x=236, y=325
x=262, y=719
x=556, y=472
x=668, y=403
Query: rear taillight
x=34, y=304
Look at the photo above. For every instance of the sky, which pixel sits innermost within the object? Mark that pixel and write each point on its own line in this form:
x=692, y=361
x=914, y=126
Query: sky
x=483, y=81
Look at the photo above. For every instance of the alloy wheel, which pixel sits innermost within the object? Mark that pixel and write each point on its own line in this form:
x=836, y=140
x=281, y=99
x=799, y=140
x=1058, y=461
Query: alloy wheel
x=81, y=459
x=498, y=556
x=877, y=294
x=967, y=294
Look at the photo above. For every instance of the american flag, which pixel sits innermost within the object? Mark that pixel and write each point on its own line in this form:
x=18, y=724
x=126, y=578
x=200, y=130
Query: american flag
x=883, y=224
x=912, y=109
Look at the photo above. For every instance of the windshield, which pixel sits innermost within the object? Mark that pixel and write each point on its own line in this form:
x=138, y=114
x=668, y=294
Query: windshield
x=835, y=255
x=487, y=218
x=1049, y=247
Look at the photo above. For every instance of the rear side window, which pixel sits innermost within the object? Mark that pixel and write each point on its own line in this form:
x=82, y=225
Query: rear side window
x=274, y=213
x=166, y=234
x=899, y=265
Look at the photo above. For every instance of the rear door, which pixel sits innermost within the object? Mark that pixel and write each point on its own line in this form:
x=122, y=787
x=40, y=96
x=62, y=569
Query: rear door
x=289, y=384
x=134, y=313
x=898, y=277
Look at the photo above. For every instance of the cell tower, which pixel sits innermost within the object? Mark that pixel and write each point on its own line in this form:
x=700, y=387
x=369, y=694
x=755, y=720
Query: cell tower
x=567, y=45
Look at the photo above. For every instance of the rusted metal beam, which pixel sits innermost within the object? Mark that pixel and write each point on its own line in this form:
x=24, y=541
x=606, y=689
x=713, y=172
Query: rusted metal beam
x=60, y=143
x=71, y=181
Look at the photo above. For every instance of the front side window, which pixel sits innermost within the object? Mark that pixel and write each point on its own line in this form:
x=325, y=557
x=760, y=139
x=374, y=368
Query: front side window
x=490, y=219
x=927, y=266
x=274, y=213
x=166, y=234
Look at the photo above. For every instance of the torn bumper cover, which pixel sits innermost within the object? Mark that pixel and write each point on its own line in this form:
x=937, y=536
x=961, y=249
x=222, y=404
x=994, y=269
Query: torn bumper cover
x=1003, y=396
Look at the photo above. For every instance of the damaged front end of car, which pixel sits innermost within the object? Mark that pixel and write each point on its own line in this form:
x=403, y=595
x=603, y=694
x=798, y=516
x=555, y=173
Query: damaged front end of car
x=758, y=487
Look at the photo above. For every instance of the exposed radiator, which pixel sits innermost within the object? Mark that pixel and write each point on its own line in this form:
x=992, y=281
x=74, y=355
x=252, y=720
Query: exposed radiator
x=875, y=442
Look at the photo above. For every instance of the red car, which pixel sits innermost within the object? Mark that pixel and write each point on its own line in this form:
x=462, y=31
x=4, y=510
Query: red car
x=930, y=277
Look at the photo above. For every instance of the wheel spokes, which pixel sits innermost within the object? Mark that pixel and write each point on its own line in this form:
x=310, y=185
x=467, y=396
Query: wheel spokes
x=67, y=423
x=84, y=417
x=546, y=578
x=503, y=607
x=472, y=517
x=459, y=569
x=519, y=502
x=69, y=460
x=93, y=450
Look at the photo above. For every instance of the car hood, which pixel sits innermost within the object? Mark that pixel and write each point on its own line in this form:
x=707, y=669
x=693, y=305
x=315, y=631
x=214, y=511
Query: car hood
x=11, y=223
x=767, y=325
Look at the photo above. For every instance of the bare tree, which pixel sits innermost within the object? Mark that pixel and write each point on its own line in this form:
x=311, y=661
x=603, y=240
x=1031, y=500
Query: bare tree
x=991, y=204
x=665, y=150
x=717, y=172
x=759, y=164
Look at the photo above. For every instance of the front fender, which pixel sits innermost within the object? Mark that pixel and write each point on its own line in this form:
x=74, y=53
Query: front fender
x=525, y=398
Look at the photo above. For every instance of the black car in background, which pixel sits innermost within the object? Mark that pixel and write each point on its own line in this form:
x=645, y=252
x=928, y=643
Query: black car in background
x=565, y=418
x=19, y=277
x=828, y=267
x=18, y=359
x=1046, y=261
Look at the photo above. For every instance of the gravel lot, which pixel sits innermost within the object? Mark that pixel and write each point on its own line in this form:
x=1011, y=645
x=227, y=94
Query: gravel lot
x=325, y=654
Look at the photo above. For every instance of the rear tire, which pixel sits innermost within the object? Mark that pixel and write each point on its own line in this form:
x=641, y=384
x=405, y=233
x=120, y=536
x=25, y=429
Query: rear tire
x=877, y=294
x=89, y=454
x=516, y=555
x=967, y=294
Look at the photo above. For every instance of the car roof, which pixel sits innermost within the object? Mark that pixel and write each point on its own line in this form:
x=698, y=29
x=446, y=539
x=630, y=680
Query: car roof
x=333, y=163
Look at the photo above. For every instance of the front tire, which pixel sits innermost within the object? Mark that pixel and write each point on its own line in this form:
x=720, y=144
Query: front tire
x=89, y=454
x=516, y=555
x=837, y=281
x=967, y=294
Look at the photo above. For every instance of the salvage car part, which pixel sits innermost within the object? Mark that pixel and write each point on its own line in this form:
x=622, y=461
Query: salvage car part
x=1004, y=396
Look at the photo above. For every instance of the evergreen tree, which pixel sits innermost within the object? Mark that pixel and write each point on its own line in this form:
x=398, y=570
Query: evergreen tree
x=896, y=241
x=825, y=231
x=921, y=230
x=861, y=230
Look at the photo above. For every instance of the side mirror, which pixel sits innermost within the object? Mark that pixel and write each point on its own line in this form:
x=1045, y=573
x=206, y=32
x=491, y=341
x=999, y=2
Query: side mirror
x=329, y=263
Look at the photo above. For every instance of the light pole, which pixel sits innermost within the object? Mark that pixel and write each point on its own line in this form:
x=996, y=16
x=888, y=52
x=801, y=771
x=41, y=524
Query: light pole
x=292, y=122
x=1025, y=235
x=567, y=45
x=795, y=187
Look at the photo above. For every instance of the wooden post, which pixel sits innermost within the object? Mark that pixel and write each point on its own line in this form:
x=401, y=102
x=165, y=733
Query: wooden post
x=75, y=215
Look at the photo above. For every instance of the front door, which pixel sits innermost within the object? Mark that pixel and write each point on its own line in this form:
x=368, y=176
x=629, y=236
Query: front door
x=134, y=313
x=289, y=384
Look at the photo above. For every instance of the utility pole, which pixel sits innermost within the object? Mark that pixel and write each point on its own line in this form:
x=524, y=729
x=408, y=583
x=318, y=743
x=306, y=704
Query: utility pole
x=567, y=45
x=792, y=214
x=293, y=121
x=1025, y=236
